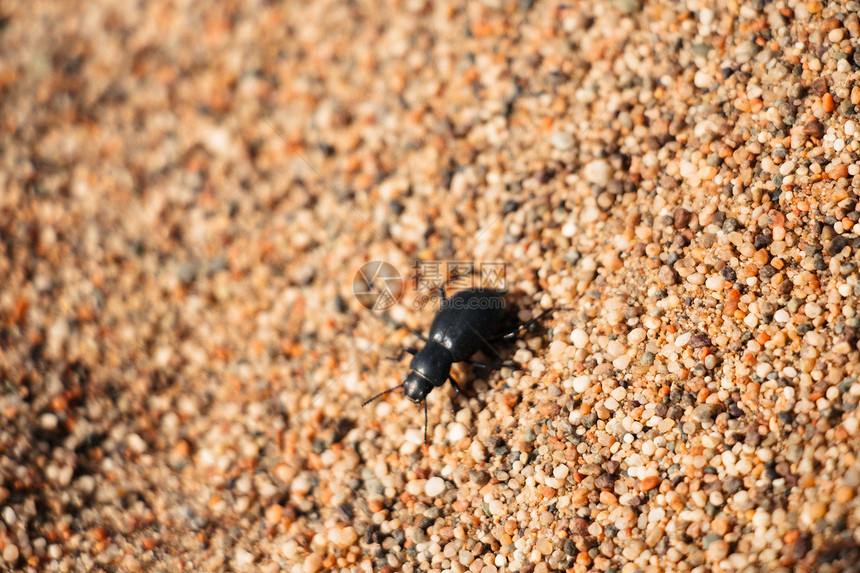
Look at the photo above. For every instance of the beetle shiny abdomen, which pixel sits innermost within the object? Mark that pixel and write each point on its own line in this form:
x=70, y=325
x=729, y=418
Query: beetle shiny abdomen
x=466, y=320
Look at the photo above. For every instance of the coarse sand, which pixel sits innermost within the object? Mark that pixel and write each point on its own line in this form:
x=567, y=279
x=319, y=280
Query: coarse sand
x=188, y=189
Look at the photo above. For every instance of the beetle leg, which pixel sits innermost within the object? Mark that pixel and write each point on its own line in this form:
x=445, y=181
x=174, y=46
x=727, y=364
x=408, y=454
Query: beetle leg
x=425, y=421
x=399, y=357
x=520, y=328
x=487, y=344
x=494, y=365
x=457, y=387
x=525, y=325
x=404, y=326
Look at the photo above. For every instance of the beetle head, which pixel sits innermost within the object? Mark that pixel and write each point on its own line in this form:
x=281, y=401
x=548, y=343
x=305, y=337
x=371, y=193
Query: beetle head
x=416, y=387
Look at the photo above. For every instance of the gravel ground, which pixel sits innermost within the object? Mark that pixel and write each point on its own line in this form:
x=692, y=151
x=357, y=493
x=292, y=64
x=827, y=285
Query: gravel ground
x=187, y=191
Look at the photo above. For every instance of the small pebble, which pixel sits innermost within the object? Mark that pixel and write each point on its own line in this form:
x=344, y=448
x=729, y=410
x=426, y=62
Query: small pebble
x=10, y=553
x=456, y=432
x=561, y=140
x=581, y=384
x=48, y=421
x=342, y=536
x=434, y=487
x=704, y=413
x=312, y=563
x=579, y=338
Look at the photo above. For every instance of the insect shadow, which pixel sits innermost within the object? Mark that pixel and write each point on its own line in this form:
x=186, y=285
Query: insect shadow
x=465, y=323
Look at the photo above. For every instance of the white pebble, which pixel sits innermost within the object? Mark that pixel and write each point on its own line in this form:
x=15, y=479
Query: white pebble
x=811, y=309
x=48, y=421
x=434, y=486
x=456, y=432
x=715, y=282
x=136, y=443
x=697, y=279
x=579, y=338
x=561, y=140
x=557, y=348
x=343, y=536
x=86, y=484
x=761, y=518
x=589, y=215
x=477, y=451
x=301, y=485
x=415, y=487
x=552, y=482
x=702, y=79
x=581, y=383
x=312, y=564
x=218, y=141
x=522, y=356
x=415, y=436
x=569, y=229
x=636, y=336
x=814, y=338
x=598, y=172
x=687, y=169
x=10, y=554
x=243, y=558
x=616, y=348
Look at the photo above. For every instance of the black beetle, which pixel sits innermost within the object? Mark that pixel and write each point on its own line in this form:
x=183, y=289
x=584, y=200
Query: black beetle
x=460, y=328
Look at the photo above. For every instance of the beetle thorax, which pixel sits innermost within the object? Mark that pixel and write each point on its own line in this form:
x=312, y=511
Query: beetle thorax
x=433, y=363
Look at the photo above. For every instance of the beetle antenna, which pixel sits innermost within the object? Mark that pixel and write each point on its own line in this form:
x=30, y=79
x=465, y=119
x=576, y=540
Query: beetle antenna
x=425, y=421
x=383, y=393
